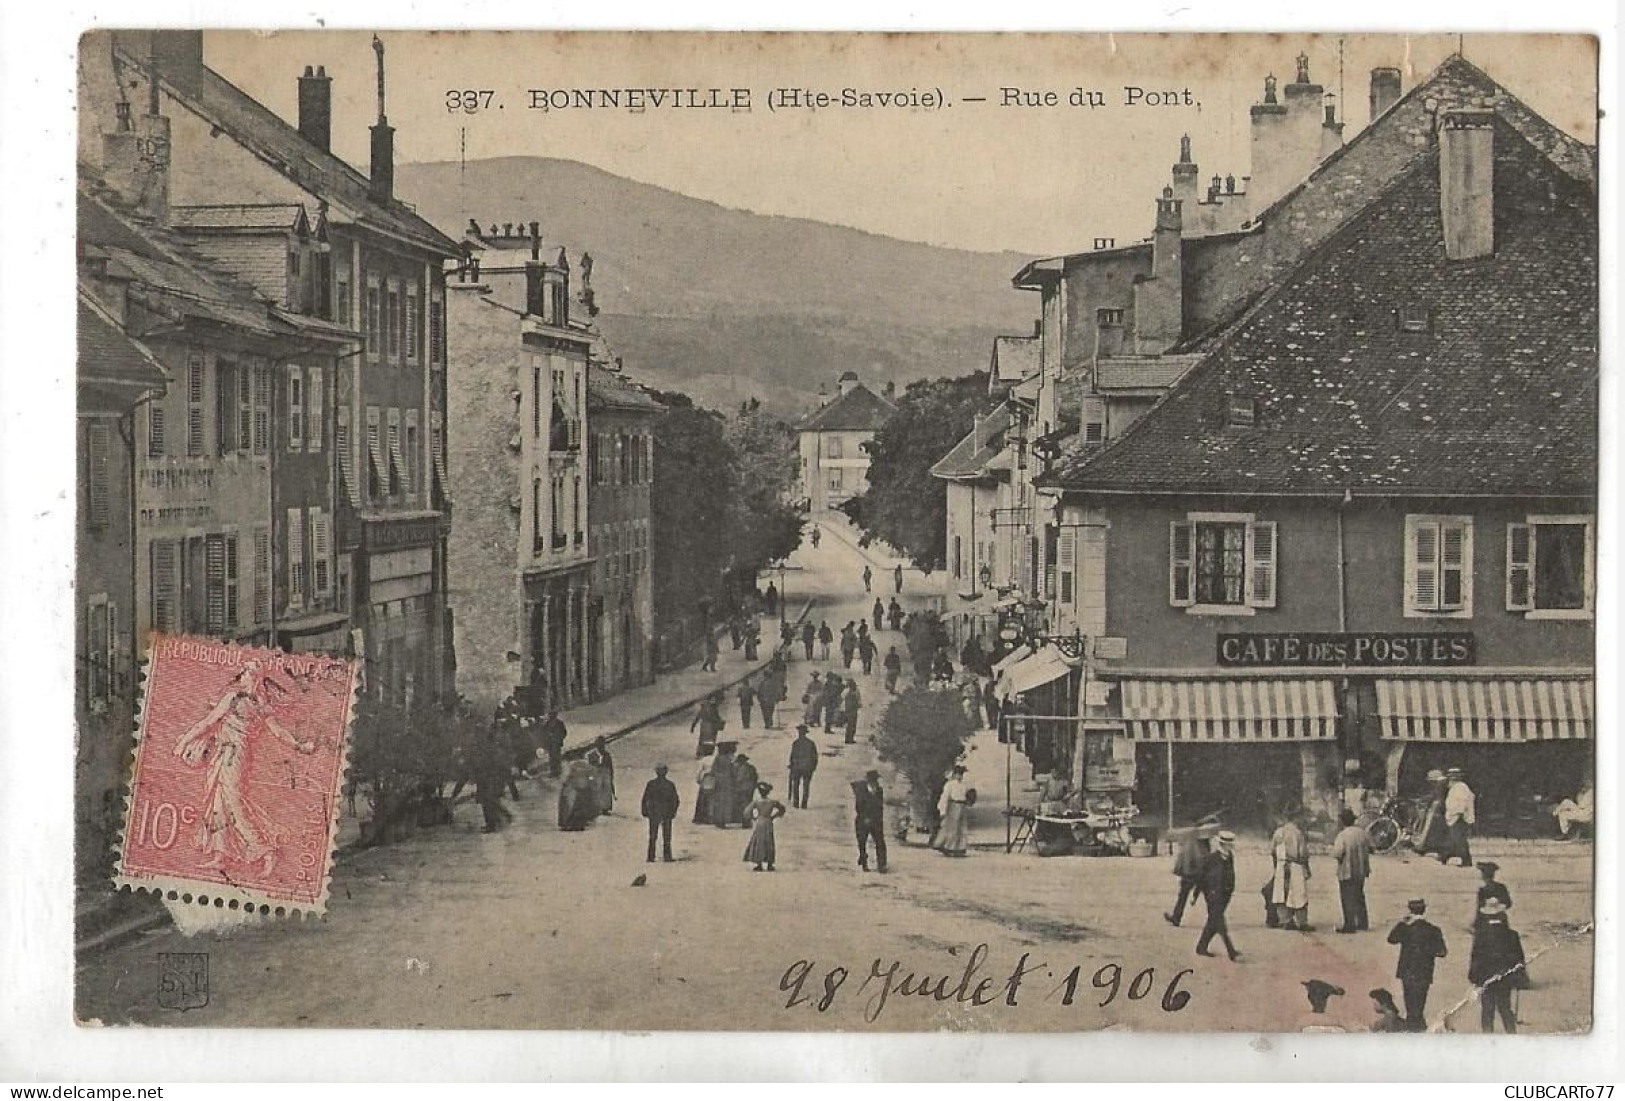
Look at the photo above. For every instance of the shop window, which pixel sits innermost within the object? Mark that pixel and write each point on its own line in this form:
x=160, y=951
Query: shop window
x=1439, y=566
x=1222, y=563
x=1550, y=566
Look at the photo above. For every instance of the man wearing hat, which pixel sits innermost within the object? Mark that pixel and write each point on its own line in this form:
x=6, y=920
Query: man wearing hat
x=1496, y=966
x=1218, y=885
x=1420, y=944
x=869, y=823
x=1489, y=887
x=660, y=803
x=803, y=763
x=1459, y=803
x=1433, y=838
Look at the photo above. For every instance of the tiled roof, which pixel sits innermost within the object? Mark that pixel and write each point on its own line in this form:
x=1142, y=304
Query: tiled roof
x=1497, y=396
x=1142, y=372
x=269, y=137
x=860, y=409
x=970, y=456
x=278, y=216
x=607, y=390
x=109, y=358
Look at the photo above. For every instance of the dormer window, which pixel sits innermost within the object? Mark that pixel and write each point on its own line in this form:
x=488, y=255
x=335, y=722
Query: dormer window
x=1106, y=318
x=1241, y=412
x=1412, y=318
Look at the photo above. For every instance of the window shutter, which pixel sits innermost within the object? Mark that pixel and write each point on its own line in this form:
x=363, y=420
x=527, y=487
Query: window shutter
x=437, y=446
x=1066, y=553
x=214, y=573
x=1181, y=564
x=98, y=477
x=437, y=328
x=194, y=405
x=1452, y=566
x=225, y=406
x=296, y=409
x=165, y=585
x=375, y=453
x=1261, y=559
x=229, y=547
x=114, y=673
x=413, y=448
x=96, y=650
x=1423, y=583
x=394, y=452
x=155, y=429
x=315, y=408
x=262, y=409
x=321, y=549
x=246, y=392
x=262, y=575
x=296, y=558
x=1520, y=567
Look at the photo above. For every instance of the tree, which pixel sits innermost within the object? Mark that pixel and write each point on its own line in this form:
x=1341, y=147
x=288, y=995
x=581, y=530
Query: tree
x=904, y=505
x=923, y=732
x=766, y=526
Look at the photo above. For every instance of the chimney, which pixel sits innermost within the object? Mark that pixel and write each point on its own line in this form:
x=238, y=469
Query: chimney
x=136, y=154
x=1286, y=136
x=1185, y=173
x=382, y=177
x=848, y=382
x=1384, y=89
x=889, y=390
x=535, y=275
x=1331, y=132
x=1158, y=300
x=316, y=107
x=1467, y=182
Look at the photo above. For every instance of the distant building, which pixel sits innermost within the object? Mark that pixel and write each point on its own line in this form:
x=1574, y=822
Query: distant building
x=834, y=466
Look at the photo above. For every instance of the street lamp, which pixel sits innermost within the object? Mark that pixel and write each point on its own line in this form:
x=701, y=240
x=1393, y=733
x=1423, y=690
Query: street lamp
x=986, y=575
x=784, y=601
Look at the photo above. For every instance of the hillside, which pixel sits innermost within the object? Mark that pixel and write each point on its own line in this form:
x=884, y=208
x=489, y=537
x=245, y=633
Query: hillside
x=724, y=303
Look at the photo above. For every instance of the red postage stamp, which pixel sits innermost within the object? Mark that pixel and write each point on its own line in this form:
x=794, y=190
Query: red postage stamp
x=239, y=759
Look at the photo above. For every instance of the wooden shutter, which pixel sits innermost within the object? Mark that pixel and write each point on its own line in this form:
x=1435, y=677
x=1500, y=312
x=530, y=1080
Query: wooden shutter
x=296, y=408
x=165, y=585
x=262, y=575
x=394, y=468
x=1181, y=564
x=247, y=387
x=194, y=405
x=316, y=408
x=296, y=558
x=412, y=324
x=1453, y=553
x=1422, y=565
x=1066, y=555
x=96, y=650
x=225, y=406
x=98, y=475
x=321, y=549
x=262, y=409
x=437, y=328
x=214, y=575
x=229, y=543
x=1261, y=560
x=437, y=446
x=413, y=449
x=341, y=444
x=1520, y=567
x=155, y=428
x=375, y=453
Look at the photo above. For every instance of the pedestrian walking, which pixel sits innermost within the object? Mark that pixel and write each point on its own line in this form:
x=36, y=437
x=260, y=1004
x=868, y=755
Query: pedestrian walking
x=491, y=775
x=705, y=783
x=849, y=646
x=950, y=836
x=578, y=797
x=893, y=664
x=894, y=612
x=1351, y=848
x=1459, y=817
x=808, y=633
x=787, y=642
x=813, y=701
x=817, y=536
x=866, y=653
x=1218, y=887
x=1496, y=967
x=851, y=702
x=825, y=637
x=897, y=576
x=660, y=804
x=1290, y=894
x=723, y=810
x=1489, y=887
x=753, y=643
x=736, y=634
x=803, y=763
x=745, y=779
x=554, y=733
x=1434, y=837
x=747, y=700
x=834, y=694
x=990, y=703
x=603, y=766
x=771, y=693
x=709, y=721
x=869, y=819
x=709, y=665
x=760, y=815
x=879, y=615
x=868, y=579
x=1421, y=944
x=1188, y=866
x=970, y=699
x=771, y=599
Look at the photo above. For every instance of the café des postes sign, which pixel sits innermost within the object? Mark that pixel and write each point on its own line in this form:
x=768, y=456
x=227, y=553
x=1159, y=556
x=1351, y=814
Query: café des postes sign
x=1347, y=648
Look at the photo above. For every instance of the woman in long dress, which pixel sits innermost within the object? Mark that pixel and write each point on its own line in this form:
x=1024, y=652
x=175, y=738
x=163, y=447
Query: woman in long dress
x=723, y=806
x=1290, y=894
x=710, y=722
x=578, y=797
x=707, y=784
x=950, y=836
x=761, y=814
x=603, y=766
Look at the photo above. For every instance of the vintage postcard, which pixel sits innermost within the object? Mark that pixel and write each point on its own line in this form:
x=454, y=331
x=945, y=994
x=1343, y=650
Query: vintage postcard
x=837, y=532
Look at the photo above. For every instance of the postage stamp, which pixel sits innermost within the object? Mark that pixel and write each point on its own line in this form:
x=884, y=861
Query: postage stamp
x=234, y=788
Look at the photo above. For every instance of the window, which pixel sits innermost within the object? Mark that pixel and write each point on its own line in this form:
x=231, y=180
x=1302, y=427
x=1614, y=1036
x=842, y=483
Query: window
x=98, y=651
x=556, y=511
x=536, y=512
x=956, y=563
x=411, y=451
x=1094, y=420
x=296, y=558
x=394, y=458
x=262, y=575
x=261, y=411
x=321, y=549
x=437, y=327
x=834, y=481
x=578, y=501
x=225, y=410
x=1412, y=318
x=832, y=447
x=1550, y=565
x=375, y=320
x=315, y=408
x=1052, y=538
x=1066, y=556
x=1108, y=317
x=155, y=428
x=98, y=475
x=166, y=586
x=1240, y=412
x=194, y=405
x=296, y=409
x=1438, y=566
x=536, y=417
x=220, y=582
x=392, y=319
x=412, y=314
x=1221, y=563
x=375, y=455
x=341, y=298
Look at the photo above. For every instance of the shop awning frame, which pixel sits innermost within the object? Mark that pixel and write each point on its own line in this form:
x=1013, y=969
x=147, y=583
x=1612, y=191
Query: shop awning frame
x=1224, y=710
x=1490, y=710
x=1034, y=671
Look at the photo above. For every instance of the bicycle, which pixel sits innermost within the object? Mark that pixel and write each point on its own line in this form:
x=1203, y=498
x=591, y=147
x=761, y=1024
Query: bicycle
x=1393, y=825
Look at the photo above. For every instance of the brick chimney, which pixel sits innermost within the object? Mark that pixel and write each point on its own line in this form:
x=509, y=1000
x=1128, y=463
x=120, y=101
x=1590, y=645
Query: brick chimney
x=1467, y=182
x=1384, y=89
x=1331, y=132
x=1158, y=300
x=316, y=107
x=1286, y=136
x=1185, y=173
x=136, y=153
x=535, y=271
x=382, y=175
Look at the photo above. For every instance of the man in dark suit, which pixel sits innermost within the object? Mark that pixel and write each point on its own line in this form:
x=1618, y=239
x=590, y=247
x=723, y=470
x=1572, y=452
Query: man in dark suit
x=803, y=763
x=1420, y=944
x=1218, y=885
x=870, y=822
x=660, y=803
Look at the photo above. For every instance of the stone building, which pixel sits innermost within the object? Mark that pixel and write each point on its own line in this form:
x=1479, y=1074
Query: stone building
x=833, y=464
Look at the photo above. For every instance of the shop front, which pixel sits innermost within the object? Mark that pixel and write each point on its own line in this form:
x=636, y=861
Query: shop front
x=398, y=601
x=561, y=633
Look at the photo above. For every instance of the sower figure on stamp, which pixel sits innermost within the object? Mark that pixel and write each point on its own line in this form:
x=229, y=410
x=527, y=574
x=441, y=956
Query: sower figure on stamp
x=869, y=821
x=1420, y=945
x=225, y=737
x=1218, y=886
x=660, y=804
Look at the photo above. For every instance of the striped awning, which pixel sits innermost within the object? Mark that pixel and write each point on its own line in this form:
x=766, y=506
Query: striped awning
x=1484, y=709
x=1240, y=709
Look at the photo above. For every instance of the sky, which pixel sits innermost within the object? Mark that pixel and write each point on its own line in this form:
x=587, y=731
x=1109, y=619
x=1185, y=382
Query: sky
x=1036, y=180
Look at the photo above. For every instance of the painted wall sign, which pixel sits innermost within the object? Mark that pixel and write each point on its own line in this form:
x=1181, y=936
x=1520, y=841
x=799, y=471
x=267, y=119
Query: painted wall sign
x=1346, y=648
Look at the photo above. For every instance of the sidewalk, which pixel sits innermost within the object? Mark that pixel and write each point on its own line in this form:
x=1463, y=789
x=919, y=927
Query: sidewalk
x=882, y=557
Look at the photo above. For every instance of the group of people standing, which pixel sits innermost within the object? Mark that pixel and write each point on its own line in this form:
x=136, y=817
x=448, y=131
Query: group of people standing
x=1205, y=865
x=833, y=701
